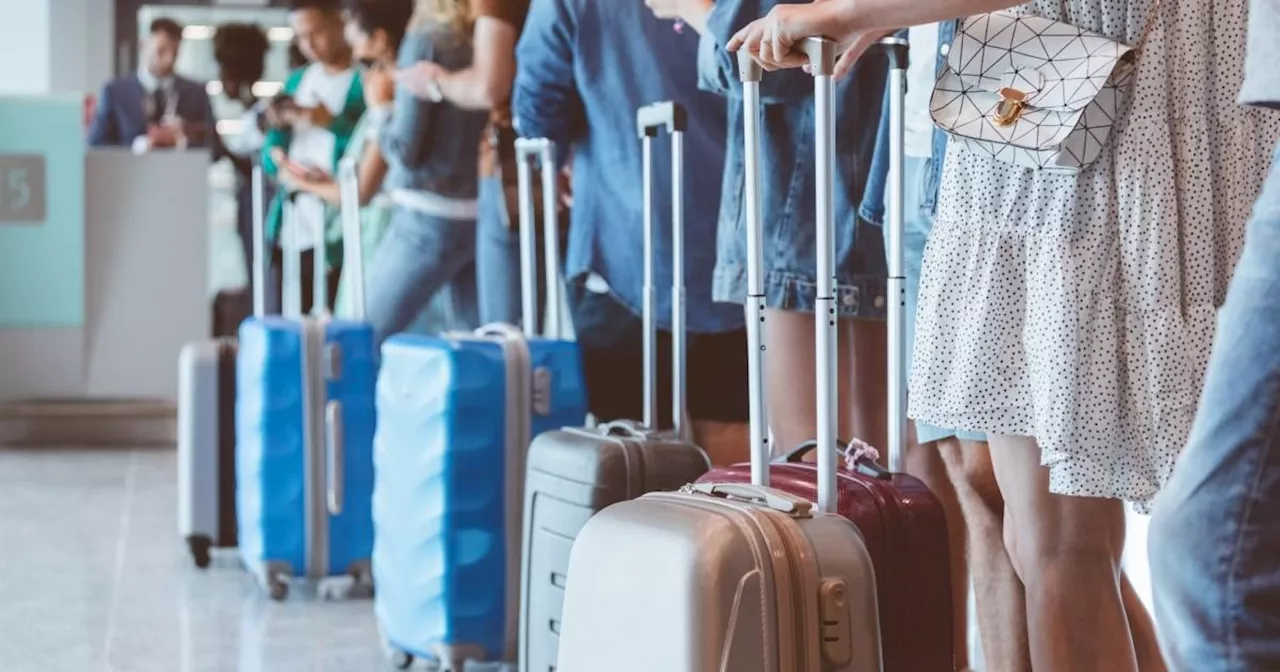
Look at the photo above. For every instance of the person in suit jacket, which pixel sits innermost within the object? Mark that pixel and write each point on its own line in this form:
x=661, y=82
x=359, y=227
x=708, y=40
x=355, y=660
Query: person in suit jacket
x=154, y=108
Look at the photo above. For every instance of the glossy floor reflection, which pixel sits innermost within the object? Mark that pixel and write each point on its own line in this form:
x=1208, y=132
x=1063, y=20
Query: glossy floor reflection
x=93, y=578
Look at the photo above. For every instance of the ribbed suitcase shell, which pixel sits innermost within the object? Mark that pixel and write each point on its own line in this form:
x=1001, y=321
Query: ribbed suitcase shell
x=905, y=531
x=273, y=496
x=447, y=524
x=572, y=475
x=693, y=583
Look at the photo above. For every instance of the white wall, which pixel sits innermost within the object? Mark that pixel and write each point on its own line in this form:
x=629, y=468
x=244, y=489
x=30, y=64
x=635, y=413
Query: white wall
x=84, y=34
x=24, y=46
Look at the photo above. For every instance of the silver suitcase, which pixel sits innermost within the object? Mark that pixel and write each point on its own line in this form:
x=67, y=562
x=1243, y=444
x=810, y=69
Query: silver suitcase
x=575, y=472
x=735, y=578
x=207, y=424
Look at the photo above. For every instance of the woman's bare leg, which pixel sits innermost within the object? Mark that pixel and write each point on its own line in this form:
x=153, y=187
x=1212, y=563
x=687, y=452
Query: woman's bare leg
x=1067, y=552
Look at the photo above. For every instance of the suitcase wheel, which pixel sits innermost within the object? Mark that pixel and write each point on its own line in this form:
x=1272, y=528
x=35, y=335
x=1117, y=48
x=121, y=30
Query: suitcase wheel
x=278, y=588
x=200, y=547
x=401, y=660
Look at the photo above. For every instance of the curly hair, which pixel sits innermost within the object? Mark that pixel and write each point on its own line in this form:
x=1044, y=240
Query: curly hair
x=240, y=50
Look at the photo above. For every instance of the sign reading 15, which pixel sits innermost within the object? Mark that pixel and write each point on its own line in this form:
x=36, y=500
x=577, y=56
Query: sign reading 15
x=22, y=189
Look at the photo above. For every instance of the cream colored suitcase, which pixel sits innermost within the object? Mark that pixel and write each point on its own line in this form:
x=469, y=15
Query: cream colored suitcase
x=725, y=577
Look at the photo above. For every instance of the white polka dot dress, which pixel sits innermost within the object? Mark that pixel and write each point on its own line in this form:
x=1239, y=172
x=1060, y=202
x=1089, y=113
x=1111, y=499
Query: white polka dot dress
x=1079, y=309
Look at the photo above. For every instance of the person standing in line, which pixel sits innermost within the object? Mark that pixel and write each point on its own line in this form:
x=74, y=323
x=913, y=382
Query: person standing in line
x=375, y=30
x=956, y=464
x=1069, y=316
x=584, y=69
x=1215, y=533
x=430, y=148
x=486, y=85
x=789, y=213
x=312, y=122
x=240, y=50
x=154, y=108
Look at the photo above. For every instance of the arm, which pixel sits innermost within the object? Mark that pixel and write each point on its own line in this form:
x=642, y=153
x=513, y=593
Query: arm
x=403, y=137
x=486, y=84
x=545, y=101
x=104, y=132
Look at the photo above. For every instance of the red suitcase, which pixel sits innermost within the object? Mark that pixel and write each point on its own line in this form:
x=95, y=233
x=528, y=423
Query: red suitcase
x=900, y=519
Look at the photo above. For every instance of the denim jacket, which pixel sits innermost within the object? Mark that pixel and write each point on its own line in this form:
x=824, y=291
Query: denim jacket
x=872, y=208
x=431, y=146
x=585, y=67
x=787, y=151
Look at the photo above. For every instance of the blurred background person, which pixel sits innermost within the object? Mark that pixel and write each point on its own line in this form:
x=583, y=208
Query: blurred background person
x=240, y=50
x=311, y=123
x=430, y=148
x=486, y=85
x=154, y=108
x=374, y=29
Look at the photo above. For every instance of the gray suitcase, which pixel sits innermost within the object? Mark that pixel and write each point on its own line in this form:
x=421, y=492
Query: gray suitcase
x=734, y=577
x=207, y=425
x=573, y=473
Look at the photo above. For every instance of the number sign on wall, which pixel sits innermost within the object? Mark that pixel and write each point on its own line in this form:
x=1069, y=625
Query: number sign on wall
x=22, y=189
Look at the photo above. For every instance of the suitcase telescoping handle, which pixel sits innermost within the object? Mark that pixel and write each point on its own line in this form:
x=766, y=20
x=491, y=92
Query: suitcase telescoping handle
x=896, y=50
x=651, y=119
x=750, y=73
x=352, y=236
x=258, y=264
x=822, y=58
x=821, y=54
x=544, y=150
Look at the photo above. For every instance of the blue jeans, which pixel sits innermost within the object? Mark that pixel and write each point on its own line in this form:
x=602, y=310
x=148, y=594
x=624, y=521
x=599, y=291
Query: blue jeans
x=916, y=228
x=497, y=257
x=419, y=256
x=1215, y=535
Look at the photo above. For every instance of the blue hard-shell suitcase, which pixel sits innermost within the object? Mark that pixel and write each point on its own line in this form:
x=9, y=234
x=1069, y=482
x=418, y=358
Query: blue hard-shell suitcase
x=455, y=418
x=305, y=421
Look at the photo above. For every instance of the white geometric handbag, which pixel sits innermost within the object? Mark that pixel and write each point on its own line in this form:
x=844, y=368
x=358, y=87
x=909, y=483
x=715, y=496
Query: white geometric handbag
x=1032, y=91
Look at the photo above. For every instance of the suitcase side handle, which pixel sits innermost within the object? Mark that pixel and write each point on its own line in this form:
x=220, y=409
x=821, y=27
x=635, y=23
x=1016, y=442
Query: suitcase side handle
x=334, y=456
x=797, y=507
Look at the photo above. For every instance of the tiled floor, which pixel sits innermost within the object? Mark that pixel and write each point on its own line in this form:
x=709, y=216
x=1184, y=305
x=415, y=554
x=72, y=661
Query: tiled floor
x=93, y=578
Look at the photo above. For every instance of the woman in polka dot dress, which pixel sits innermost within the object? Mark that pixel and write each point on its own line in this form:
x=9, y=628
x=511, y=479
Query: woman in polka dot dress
x=1069, y=317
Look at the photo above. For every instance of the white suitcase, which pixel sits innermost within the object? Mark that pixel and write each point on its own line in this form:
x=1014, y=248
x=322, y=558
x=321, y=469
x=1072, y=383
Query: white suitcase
x=725, y=577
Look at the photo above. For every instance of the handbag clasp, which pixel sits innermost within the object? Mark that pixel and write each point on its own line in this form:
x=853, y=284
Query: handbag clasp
x=1009, y=109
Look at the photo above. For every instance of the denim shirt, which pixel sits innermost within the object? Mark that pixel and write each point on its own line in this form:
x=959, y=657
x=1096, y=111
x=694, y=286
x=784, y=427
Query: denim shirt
x=872, y=208
x=786, y=144
x=585, y=68
x=431, y=146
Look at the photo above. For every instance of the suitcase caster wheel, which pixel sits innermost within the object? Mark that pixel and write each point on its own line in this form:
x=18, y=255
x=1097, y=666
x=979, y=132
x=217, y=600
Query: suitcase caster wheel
x=401, y=660
x=278, y=590
x=200, y=547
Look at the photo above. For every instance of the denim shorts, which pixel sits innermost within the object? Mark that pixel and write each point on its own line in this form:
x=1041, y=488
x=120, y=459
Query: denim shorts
x=791, y=267
x=916, y=227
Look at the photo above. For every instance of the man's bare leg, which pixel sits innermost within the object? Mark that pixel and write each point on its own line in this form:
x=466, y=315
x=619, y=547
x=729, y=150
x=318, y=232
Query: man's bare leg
x=925, y=463
x=1001, y=605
